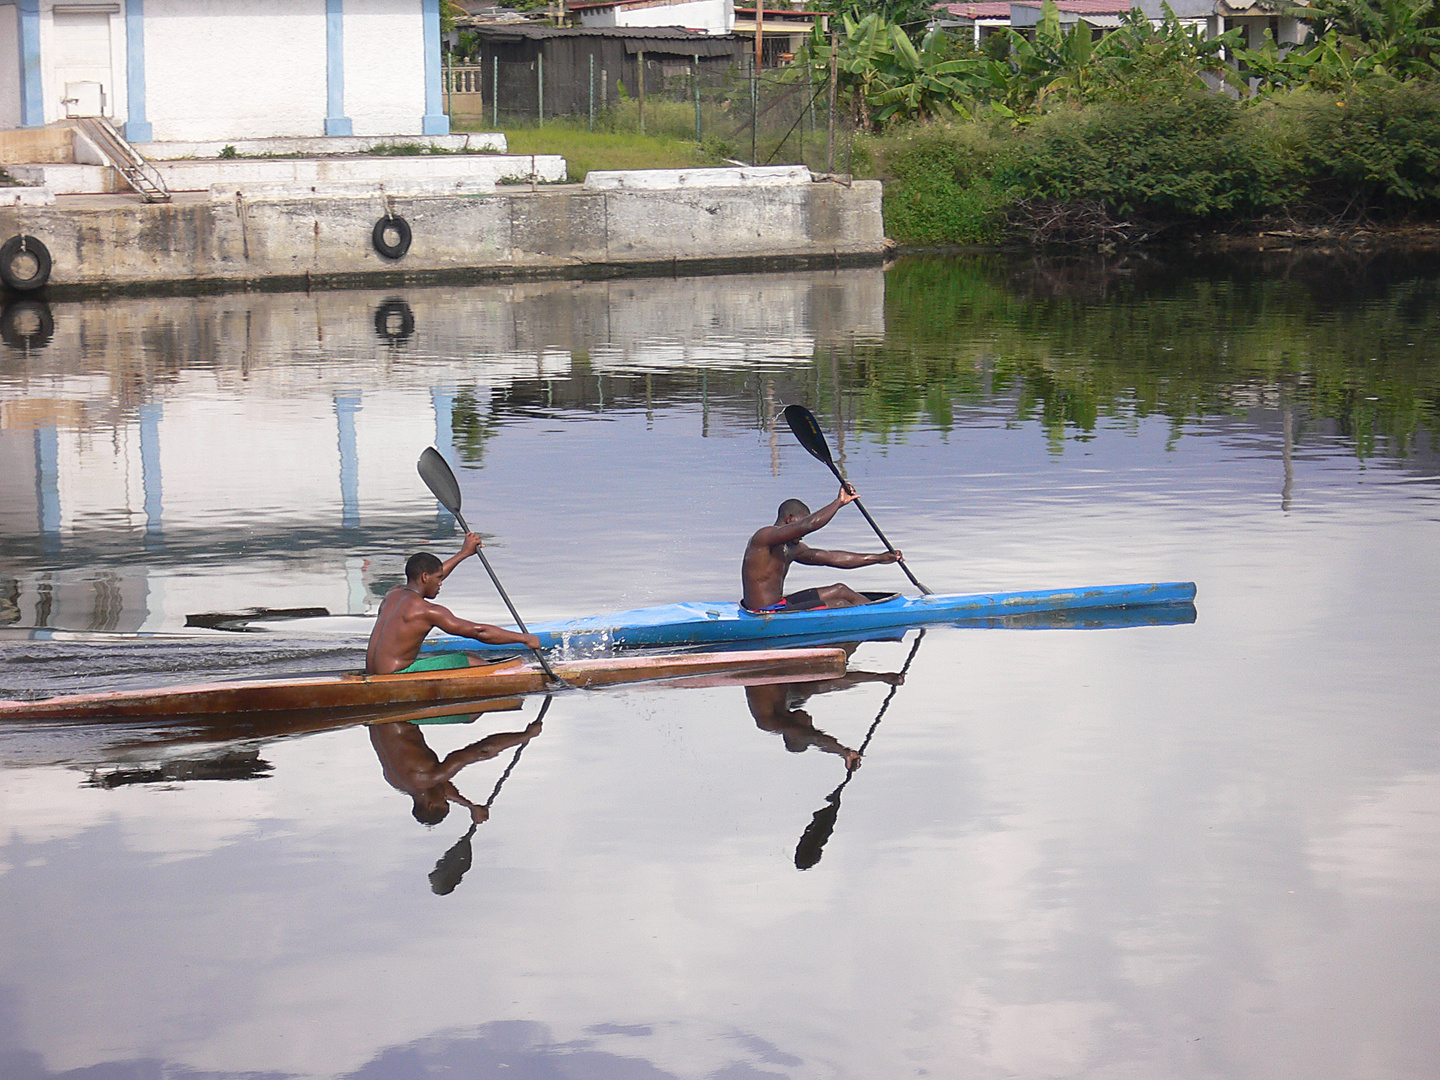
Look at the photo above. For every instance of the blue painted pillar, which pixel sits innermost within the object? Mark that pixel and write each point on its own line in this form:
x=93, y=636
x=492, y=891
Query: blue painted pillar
x=137, y=127
x=345, y=410
x=32, y=94
x=434, y=122
x=150, y=413
x=47, y=485
x=443, y=398
x=336, y=122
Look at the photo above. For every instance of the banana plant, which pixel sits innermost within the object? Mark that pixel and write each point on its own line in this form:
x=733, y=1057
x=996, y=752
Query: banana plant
x=924, y=83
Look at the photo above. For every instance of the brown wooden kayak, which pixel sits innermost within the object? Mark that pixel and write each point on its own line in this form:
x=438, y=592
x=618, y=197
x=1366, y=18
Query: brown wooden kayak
x=425, y=689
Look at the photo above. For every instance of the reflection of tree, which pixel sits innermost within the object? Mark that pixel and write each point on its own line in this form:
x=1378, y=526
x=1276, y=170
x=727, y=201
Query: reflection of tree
x=472, y=426
x=1070, y=342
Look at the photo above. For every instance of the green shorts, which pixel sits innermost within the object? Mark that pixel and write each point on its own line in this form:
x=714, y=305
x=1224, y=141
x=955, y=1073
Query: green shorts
x=441, y=661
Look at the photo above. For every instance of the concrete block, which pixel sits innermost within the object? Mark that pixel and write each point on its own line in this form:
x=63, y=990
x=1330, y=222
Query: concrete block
x=321, y=146
x=706, y=222
x=70, y=179
x=252, y=232
x=665, y=179
x=49, y=144
x=564, y=227
x=26, y=196
x=282, y=192
x=432, y=174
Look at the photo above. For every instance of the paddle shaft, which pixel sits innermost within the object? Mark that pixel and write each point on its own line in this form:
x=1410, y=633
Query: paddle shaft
x=544, y=708
x=544, y=664
x=883, y=538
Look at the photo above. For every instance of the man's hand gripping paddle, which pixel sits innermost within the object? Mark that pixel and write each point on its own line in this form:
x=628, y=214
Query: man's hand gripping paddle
x=802, y=423
x=435, y=471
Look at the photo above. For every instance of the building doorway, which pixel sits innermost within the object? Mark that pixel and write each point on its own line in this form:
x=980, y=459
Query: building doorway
x=82, y=63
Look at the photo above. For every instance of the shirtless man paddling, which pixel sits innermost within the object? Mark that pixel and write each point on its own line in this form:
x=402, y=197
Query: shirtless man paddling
x=407, y=615
x=772, y=549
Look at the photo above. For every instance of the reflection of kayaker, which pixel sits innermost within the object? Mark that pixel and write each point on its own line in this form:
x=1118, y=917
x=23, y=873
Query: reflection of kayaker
x=776, y=709
x=772, y=549
x=412, y=767
x=822, y=822
x=407, y=615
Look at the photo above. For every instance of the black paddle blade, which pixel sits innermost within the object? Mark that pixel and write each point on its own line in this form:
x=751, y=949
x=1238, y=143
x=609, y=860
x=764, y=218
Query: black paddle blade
x=812, y=840
x=802, y=422
x=435, y=471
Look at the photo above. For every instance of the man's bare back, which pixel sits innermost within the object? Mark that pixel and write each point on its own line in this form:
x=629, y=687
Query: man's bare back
x=407, y=614
x=772, y=549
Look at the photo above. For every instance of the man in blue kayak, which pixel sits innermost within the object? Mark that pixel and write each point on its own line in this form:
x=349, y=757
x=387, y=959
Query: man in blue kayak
x=771, y=551
x=407, y=615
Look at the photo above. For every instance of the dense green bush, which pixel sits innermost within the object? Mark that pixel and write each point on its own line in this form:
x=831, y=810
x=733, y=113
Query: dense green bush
x=1197, y=157
x=1373, y=149
x=1112, y=171
x=940, y=188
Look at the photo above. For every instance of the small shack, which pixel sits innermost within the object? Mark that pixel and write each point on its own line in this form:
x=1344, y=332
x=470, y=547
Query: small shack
x=528, y=70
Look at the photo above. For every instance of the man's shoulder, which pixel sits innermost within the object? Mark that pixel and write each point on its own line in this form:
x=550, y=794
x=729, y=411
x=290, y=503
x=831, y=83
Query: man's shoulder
x=765, y=537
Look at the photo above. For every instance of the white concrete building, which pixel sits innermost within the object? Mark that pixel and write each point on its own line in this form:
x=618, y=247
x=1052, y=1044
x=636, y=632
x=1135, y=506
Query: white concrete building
x=224, y=70
x=711, y=16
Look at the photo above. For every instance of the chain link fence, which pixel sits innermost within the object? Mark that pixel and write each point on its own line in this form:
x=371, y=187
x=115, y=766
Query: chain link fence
x=785, y=116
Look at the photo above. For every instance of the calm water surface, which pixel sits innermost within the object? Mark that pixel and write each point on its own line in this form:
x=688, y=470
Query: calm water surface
x=1204, y=850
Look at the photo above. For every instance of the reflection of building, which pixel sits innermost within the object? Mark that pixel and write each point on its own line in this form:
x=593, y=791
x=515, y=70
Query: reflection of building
x=164, y=457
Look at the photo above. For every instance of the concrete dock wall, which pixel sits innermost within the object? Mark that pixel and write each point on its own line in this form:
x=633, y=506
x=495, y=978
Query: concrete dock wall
x=280, y=235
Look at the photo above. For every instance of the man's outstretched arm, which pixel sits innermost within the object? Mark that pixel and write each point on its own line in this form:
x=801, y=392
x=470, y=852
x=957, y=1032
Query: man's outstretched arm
x=446, y=620
x=483, y=750
x=843, y=560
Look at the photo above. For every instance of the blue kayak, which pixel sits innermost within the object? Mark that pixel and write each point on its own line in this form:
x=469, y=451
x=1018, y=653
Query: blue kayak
x=721, y=623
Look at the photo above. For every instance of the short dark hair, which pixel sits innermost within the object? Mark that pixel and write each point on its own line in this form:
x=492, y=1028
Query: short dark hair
x=792, y=506
x=430, y=810
x=421, y=563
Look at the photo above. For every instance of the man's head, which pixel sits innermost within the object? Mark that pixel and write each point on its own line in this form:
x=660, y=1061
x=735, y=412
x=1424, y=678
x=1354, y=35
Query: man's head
x=431, y=805
x=791, y=510
x=422, y=573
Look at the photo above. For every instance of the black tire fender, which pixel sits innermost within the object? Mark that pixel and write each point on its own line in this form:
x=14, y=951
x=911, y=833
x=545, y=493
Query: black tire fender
x=380, y=236
x=394, y=321
x=25, y=263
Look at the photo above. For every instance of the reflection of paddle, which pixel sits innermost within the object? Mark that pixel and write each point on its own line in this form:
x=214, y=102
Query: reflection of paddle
x=435, y=471
x=812, y=840
x=454, y=863
x=802, y=422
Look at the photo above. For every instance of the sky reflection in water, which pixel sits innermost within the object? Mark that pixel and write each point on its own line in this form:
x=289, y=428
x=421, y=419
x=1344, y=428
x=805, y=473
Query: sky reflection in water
x=1192, y=850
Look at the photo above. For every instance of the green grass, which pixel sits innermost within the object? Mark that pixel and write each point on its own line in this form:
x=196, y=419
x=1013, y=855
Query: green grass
x=585, y=150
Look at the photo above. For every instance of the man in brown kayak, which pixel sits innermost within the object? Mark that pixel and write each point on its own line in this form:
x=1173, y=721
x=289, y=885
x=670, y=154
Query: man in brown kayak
x=407, y=615
x=771, y=551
